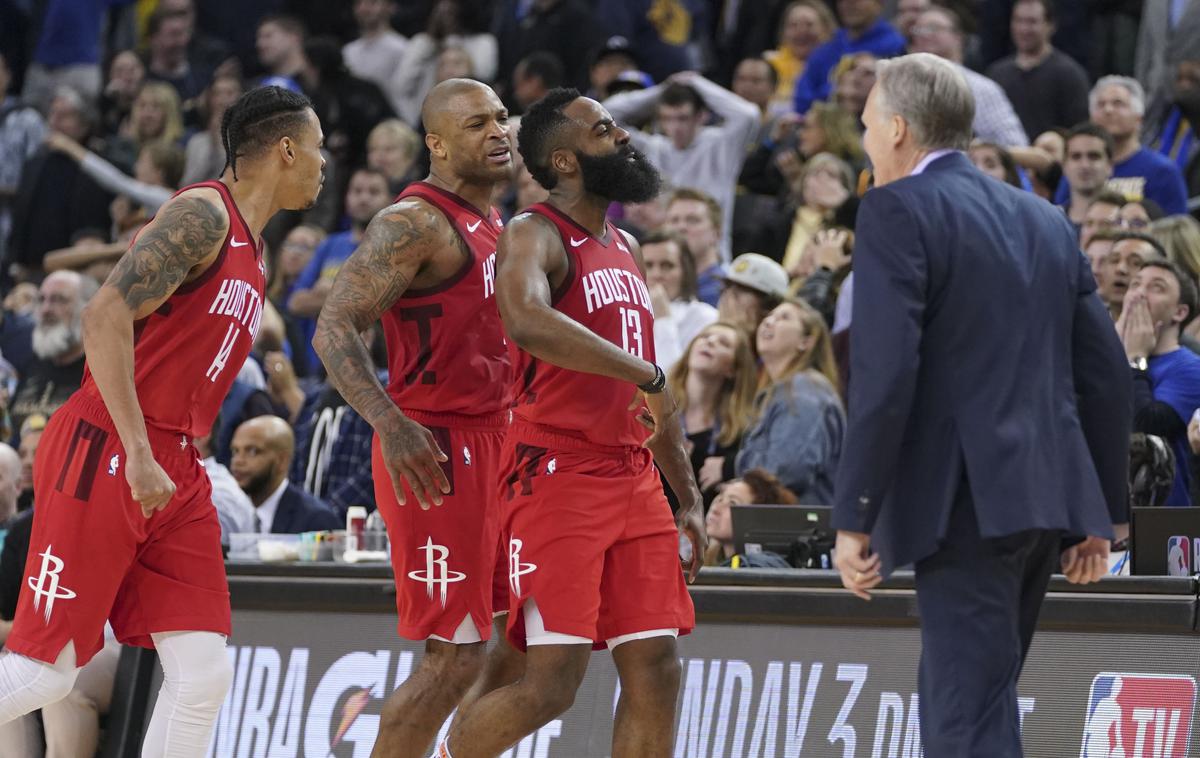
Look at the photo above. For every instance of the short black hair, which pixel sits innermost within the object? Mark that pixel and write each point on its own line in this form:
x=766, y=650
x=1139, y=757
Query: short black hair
x=158, y=17
x=1090, y=129
x=540, y=128
x=259, y=118
x=772, y=73
x=1159, y=250
x=286, y=22
x=1047, y=8
x=545, y=66
x=1108, y=197
x=675, y=94
x=1188, y=294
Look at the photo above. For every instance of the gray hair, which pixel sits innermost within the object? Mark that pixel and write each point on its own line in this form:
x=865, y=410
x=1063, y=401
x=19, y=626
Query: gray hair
x=932, y=96
x=1137, y=95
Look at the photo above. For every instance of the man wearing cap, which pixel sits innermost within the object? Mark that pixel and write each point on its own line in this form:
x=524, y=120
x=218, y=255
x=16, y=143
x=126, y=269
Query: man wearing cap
x=613, y=59
x=688, y=153
x=751, y=287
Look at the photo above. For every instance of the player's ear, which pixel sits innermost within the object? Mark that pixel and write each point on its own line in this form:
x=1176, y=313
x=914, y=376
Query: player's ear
x=435, y=144
x=286, y=149
x=564, y=161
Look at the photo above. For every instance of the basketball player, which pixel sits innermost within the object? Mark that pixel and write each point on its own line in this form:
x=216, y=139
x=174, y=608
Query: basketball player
x=426, y=267
x=124, y=527
x=593, y=552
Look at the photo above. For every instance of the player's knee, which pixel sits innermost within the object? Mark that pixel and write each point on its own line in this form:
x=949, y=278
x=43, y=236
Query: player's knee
x=205, y=685
x=52, y=685
x=456, y=665
x=657, y=671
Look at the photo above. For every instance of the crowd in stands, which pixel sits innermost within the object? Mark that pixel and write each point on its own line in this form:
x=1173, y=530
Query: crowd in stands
x=750, y=110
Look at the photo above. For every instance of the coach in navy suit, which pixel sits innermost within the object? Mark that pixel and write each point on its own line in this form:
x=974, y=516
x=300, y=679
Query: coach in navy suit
x=989, y=406
x=262, y=454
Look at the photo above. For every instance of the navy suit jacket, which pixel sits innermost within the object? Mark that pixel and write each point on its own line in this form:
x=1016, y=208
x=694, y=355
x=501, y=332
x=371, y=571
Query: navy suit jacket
x=980, y=357
x=299, y=511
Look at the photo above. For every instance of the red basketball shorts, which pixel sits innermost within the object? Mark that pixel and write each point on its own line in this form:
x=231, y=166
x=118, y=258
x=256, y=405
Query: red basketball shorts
x=447, y=562
x=591, y=539
x=94, y=556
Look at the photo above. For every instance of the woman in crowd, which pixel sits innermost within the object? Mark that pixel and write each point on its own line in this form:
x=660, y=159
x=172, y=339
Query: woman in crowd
x=754, y=487
x=996, y=162
x=205, y=153
x=806, y=25
x=294, y=254
x=823, y=198
x=798, y=433
x=155, y=118
x=156, y=172
x=671, y=278
x=454, y=25
x=714, y=384
x=393, y=148
x=1180, y=237
x=126, y=74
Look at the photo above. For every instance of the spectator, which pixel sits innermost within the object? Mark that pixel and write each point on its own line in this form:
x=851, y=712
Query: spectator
x=169, y=37
x=21, y=133
x=90, y=253
x=1131, y=250
x=1178, y=136
x=1166, y=377
x=1111, y=273
x=797, y=435
x=262, y=454
x=58, y=344
x=671, y=278
x=907, y=14
x=754, y=487
x=1180, y=238
x=206, y=51
x=754, y=81
x=455, y=44
x=10, y=485
x=614, y=58
x=205, y=153
x=22, y=300
x=126, y=75
x=827, y=267
x=697, y=218
x=1137, y=215
x=570, y=29
x=348, y=107
x=714, y=384
x=280, y=46
x=864, y=30
x=1117, y=106
x=1103, y=213
x=822, y=197
x=294, y=254
x=392, y=149
x=55, y=198
x=752, y=288
x=234, y=509
x=853, y=79
x=1047, y=88
x=666, y=35
x=367, y=195
x=30, y=436
x=806, y=25
x=939, y=31
x=688, y=153
x=1086, y=169
x=157, y=170
x=1169, y=34
x=155, y=118
x=16, y=331
x=535, y=75
x=996, y=162
x=67, y=53
x=377, y=53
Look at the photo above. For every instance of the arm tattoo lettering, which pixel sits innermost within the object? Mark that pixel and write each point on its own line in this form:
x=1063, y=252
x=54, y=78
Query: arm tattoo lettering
x=183, y=234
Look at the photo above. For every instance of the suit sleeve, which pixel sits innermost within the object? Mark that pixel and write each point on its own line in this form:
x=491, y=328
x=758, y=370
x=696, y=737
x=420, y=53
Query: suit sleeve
x=890, y=277
x=1104, y=393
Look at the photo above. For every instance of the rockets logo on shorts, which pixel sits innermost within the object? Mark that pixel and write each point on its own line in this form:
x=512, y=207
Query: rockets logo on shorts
x=437, y=573
x=1139, y=716
x=46, y=584
x=516, y=569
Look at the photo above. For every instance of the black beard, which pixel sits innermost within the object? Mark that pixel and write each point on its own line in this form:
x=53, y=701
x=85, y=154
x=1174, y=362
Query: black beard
x=1189, y=102
x=616, y=178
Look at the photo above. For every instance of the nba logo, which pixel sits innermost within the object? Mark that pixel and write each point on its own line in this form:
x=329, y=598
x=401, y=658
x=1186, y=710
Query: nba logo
x=1179, y=556
x=1139, y=716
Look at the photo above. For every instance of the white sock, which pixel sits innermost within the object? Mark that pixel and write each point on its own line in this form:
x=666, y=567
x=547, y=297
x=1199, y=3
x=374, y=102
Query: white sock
x=27, y=684
x=196, y=678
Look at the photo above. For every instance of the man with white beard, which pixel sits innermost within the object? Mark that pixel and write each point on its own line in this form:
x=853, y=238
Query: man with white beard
x=57, y=345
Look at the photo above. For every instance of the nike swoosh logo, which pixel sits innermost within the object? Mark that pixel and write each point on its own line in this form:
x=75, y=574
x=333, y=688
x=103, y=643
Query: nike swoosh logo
x=235, y=243
x=472, y=227
x=577, y=243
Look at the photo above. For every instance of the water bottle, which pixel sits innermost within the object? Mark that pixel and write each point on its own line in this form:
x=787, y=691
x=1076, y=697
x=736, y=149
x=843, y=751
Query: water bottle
x=375, y=533
x=356, y=517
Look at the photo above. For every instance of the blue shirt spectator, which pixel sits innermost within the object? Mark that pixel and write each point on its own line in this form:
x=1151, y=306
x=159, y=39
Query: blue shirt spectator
x=1145, y=174
x=877, y=37
x=322, y=270
x=1175, y=379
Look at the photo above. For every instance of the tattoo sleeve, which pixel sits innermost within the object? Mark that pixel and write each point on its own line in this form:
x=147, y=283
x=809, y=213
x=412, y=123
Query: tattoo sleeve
x=181, y=236
x=397, y=241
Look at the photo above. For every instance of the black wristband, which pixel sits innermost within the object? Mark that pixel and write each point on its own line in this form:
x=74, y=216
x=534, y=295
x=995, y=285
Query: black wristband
x=655, y=385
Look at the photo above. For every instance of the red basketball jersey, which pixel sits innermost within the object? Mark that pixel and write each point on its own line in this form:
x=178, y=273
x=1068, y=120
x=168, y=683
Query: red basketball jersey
x=605, y=292
x=446, y=351
x=188, y=352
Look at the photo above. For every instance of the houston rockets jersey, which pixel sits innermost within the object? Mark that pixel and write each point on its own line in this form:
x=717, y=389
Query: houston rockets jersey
x=605, y=292
x=188, y=352
x=446, y=350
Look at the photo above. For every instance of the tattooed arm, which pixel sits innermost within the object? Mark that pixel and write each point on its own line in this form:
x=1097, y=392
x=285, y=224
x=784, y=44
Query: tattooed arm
x=398, y=242
x=179, y=244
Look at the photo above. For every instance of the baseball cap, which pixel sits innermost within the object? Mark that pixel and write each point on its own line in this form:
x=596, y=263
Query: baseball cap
x=627, y=81
x=615, y=45
x=758, y=272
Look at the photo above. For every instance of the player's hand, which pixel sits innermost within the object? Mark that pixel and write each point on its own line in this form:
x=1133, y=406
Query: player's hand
x=858, y=566
x=690, y=522
x=148, y=483
x=658, y=413
x=412, y=454
x=1086, y=562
